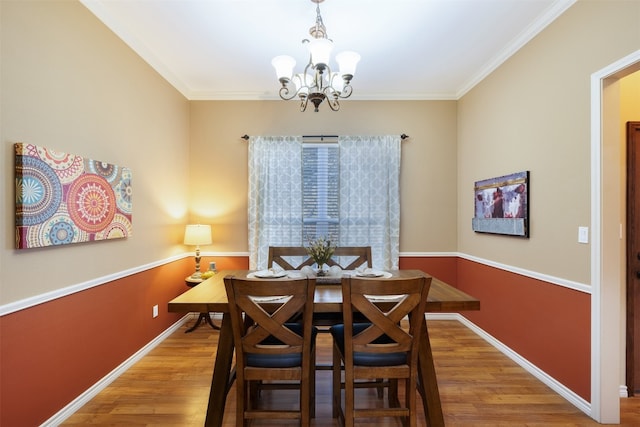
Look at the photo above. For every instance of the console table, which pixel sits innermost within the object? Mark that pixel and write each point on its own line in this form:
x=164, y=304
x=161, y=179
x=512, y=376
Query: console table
x=204, y=316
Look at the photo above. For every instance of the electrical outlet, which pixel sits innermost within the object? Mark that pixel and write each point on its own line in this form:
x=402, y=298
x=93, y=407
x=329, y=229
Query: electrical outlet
x=155, y=310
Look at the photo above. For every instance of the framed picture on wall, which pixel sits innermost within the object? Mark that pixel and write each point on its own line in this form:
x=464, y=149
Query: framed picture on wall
x=502, y=205
x=64, y=198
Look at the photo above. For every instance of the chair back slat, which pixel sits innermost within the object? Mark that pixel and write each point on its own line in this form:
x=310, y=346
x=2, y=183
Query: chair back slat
x=351, y=257
x=289, y=257
x=296, y=257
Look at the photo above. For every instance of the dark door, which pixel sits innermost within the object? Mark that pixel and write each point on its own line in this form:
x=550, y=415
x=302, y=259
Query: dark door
x=633, y=258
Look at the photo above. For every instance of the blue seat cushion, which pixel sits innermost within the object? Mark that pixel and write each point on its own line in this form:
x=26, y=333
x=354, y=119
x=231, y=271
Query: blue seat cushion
x=280, y=360
x=330, y=319
x=368, y=359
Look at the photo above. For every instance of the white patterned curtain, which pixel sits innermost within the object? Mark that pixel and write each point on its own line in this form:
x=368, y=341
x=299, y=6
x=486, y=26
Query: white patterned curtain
x=370, y=196
x=275, y=189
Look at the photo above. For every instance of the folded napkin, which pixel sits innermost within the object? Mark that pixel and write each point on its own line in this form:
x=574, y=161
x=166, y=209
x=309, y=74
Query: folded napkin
x=308, y=271
x=335, y=271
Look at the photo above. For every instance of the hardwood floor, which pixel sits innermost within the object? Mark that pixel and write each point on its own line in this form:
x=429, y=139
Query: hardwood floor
x=478, y=385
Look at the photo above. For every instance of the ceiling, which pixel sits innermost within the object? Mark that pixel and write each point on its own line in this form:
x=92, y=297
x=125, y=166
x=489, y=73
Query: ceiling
x=411, y=49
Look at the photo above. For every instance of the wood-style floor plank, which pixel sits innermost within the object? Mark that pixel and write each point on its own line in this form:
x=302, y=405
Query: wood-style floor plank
x=479, y=386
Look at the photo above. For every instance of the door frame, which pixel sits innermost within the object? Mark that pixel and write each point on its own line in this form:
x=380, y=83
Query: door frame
x=606, y=300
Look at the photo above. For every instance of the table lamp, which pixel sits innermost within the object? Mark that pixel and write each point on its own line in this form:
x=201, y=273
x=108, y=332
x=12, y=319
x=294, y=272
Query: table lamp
x=197, y=235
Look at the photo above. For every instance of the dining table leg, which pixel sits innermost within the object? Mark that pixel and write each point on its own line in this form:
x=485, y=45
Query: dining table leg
x=222, y=374
x=428, y=382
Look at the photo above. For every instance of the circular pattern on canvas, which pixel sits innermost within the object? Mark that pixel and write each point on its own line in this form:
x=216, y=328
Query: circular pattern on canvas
x=38, y=191
x=120, y=227
x=58, y=230
x=124, y=192
x=105, y=170
x=91, y=203
x=67, y=166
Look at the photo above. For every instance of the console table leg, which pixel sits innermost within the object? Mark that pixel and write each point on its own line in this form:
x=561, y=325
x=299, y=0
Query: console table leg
x=207, y=318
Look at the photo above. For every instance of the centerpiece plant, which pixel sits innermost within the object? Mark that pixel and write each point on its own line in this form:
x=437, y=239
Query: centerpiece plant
x=320, y=250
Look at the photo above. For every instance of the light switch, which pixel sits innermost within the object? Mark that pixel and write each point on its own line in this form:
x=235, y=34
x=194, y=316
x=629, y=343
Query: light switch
x=583, y=234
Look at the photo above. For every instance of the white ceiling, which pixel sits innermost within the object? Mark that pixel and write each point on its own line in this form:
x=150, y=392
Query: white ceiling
x=411, y=49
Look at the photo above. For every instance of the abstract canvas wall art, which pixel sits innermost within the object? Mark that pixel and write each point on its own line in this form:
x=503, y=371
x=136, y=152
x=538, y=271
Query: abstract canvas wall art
x=64, y=198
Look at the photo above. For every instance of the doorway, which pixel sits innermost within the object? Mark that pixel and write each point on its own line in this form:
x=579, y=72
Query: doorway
x=633, y=259
x=608, y=270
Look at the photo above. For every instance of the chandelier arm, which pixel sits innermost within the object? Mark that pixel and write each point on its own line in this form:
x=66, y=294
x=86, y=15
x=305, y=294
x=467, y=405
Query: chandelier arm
x=330, y=92
x=286, y=94
x=347, y=90
x=303, y=104
x=305, y=74
x=333, y=102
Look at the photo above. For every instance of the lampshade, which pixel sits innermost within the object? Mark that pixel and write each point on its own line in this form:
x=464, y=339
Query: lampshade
x=284, y=66
x=197, y=235
x=320, y=50
x=347, y=61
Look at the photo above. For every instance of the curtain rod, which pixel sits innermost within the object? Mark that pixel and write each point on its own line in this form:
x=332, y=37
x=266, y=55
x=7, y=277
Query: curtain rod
x=246, y=137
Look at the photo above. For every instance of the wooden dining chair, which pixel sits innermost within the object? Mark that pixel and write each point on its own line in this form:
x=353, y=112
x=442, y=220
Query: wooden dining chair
x=296, y=257
x=288, y=257
x=269, y=349
x=379, y=348
x=351, y=257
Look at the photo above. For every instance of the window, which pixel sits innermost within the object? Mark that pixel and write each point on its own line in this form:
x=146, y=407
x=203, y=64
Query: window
x=320, y=191
x=348, y=192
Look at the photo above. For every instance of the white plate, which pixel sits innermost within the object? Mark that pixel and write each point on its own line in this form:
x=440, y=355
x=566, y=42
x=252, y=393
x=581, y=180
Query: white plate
x=384, y=297
x=266, y=299
x=267, y=274
x=373, y=273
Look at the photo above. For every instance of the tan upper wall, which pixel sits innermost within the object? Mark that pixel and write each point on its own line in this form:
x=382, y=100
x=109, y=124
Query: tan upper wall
x=428, y=177
x=533, y=113
x=70, y=84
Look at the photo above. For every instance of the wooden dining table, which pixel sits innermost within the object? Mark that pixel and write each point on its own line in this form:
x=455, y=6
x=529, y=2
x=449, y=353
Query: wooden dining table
x=210, y=296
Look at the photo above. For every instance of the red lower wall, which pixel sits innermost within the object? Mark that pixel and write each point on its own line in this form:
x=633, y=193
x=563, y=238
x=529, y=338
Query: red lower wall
x=442, y=268
x=52, y=353
x=546, y=324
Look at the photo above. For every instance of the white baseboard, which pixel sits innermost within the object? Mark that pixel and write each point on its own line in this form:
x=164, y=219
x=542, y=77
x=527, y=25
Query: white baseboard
x=90, y=393
x=556, y=386
x=624, y=392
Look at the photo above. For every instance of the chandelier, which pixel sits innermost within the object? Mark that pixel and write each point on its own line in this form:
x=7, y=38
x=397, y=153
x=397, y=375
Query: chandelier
x=317, y=82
